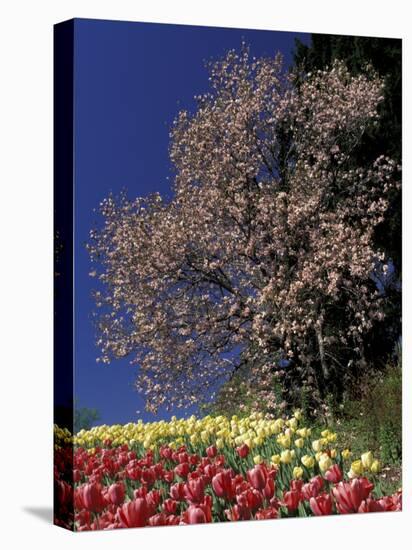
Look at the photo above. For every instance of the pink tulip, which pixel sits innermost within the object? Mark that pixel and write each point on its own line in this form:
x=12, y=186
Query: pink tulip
x=170, y=506
x=197, y=514
x=116, y=493
x=134, y=513
x=334, y=474
x=194, y=490
x=266, y=513
x=177, y=491
x=182, y=470
x=321, y=505
x=349, y=495
x=371, y=505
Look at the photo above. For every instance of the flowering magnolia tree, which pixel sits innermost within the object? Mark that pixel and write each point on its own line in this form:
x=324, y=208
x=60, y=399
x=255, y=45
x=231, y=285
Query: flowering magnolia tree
x=261, y=263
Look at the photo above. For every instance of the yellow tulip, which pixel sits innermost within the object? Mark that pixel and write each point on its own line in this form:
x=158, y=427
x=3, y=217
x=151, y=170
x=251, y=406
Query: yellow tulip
x=297, y=472
x=298, y=415
x=303, y=432
x=293, y=423
x=357, y=467
x=367, y=460
x=299, y=443
x=325, y=463
x=257, y=459
x=283, y=440
x=275, y=459
x=317, y=445
x=308, y=461
x=286, y=457
x=375, y=467
x=346, y=454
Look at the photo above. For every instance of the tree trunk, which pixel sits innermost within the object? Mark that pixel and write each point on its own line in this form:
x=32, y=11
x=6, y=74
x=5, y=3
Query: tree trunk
x=325, y=369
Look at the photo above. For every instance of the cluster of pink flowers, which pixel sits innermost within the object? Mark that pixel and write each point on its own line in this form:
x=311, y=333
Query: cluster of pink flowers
x=113, y=488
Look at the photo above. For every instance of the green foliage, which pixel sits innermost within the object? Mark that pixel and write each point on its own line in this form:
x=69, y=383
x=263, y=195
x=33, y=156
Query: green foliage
x=374, y=420
x=84, y=418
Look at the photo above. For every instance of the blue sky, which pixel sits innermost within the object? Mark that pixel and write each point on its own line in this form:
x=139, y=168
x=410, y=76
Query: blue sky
x=131, y=79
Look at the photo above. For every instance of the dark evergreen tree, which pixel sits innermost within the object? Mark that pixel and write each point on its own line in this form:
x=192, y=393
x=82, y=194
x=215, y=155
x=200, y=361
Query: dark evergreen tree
x=385, y=56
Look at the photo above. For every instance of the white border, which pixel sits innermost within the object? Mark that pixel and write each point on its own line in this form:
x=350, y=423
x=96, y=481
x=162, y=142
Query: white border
x=26, y=269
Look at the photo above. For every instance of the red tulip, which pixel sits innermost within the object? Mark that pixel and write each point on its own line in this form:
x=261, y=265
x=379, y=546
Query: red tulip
x=134, y=513
x=269, y=489
x=92, y=497
x=291, y=500
x=348, y=496
x=296, y=485
x=266, y=513
x=211, y=451
x=148, y=477
x=141, y=492
x=223, y=486
x=257, y=477
x=194, y=490
x=173, y=520
x=237, y=513
x=194, y=459
x=365, y=487
x=392, y=503
x=168, y=476
x=153, y=498
x=158, y=519
x=134, y=472
x=177, y=491
x=116, y=493
x=334, y=474
x=310, y=490
x=77, y=476
x=210, y=471
x=220, y=461
x=243, y=450
x=182, y=470
x=371, y=505
x=166, y=452
x=183, y=457
x=197, y=514
x=241, y=486
x=83, y=518
x=65, y=492
x=321, y=505
x=318, y=482
x=275, y=503
x=78, y=499
x=254, y=498
x=170, y=506
x=204, y=461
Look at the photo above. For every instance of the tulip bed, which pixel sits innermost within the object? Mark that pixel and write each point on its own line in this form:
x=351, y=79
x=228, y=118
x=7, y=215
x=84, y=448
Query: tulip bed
x=211, y=469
